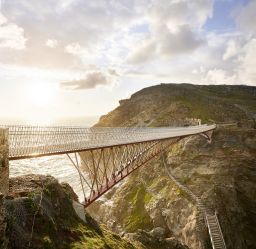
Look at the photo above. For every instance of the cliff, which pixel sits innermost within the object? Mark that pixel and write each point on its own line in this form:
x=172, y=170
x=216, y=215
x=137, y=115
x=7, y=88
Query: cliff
x=222, y=173
x=40, y=214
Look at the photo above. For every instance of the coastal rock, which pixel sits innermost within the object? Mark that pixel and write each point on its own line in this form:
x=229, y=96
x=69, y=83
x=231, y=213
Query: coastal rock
x=155, y=240
x=40, y=215
x=3, y=224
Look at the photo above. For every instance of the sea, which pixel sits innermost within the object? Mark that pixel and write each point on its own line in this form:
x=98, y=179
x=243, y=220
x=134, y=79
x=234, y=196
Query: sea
x=58, y=166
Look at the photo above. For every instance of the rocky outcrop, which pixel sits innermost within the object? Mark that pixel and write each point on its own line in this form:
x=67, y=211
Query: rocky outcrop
x=4, y=184
x=3, y=224
x=4, y=163
x=155, y=239
x=40, y=215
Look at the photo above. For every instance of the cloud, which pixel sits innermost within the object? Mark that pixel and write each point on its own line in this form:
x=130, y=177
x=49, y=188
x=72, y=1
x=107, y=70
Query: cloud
x=177, y=13
x=87, y=24
x=11, y=35
x=153, y=39
x=246, y=18
x=182, y=41
x=247, y=66
x=240, y=49
x=92, y=80
x=174, y=29
x=143, y=52
x=231, y=50
x=113, y=72
x=220, y=76
x=3, y=20
x=51, y=43
x=75, y=49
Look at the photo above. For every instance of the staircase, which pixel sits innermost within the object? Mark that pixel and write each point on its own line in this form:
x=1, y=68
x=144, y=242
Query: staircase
x=215, y=231
x=209, y=217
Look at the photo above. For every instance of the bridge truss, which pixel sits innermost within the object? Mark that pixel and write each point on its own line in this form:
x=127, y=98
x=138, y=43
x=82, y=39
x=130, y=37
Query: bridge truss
x=102, y=156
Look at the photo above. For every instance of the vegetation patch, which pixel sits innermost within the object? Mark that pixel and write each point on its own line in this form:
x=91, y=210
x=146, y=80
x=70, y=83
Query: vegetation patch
x=138, y=218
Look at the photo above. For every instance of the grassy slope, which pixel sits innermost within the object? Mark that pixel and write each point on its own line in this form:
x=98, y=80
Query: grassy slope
x=167, y=103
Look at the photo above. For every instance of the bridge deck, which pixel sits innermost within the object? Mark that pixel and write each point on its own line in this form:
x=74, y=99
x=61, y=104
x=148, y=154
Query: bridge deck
x=36, y=141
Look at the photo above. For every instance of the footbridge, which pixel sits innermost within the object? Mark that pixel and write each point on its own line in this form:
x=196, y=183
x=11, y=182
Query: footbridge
x=102, y=156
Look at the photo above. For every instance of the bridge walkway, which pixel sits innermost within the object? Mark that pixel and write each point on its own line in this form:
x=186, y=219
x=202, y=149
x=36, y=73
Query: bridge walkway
x=36, y=141
x=102, y=156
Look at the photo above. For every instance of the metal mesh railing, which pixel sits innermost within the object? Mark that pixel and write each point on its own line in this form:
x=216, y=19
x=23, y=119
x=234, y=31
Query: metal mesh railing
x=32, y=141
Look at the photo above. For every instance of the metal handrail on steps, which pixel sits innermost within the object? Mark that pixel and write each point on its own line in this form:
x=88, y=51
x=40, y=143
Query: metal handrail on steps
x=217, y=239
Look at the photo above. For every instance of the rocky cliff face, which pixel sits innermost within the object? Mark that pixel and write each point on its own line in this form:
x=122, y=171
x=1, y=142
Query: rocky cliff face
x=40, y=214
x=222, y=173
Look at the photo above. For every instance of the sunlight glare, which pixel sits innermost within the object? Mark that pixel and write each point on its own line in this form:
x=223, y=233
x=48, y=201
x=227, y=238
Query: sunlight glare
x=42, y=94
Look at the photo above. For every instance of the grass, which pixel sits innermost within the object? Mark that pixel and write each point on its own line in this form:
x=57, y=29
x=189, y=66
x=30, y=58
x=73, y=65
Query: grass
x=107, y=241
x=138, y=218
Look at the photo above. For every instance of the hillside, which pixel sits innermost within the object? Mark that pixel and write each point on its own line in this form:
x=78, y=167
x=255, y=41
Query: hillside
x=222, y=173
x=173, y=104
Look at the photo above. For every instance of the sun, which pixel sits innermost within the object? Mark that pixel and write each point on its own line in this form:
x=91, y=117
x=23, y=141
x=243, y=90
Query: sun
x=42, y=94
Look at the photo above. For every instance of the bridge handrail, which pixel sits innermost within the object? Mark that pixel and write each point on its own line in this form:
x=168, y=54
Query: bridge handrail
x=45, y=140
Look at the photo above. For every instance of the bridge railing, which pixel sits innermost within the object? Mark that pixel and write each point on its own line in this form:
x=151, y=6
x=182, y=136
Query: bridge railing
x=28, y=141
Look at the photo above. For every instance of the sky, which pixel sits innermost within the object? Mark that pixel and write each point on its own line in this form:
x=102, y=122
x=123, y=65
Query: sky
x=71, y=58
